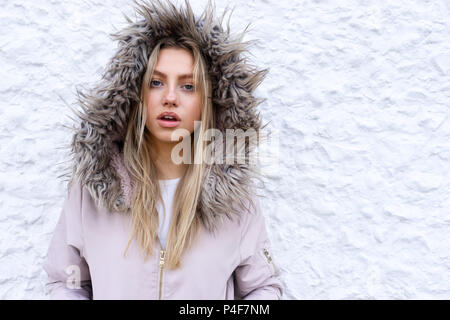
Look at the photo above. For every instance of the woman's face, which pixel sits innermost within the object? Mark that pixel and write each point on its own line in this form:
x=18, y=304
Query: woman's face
x=172, y=90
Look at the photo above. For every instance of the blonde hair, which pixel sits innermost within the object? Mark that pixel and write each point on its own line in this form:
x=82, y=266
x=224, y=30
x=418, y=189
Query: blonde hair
x=185, y=221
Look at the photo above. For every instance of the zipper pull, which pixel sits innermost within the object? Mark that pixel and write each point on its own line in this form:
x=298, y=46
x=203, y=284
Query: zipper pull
x=161, y=258
x=266, y=253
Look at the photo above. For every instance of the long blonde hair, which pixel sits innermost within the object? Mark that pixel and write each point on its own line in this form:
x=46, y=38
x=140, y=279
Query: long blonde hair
x=185, y=221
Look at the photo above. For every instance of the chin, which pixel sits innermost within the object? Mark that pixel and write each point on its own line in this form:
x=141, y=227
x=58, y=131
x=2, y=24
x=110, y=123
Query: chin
x=166, y=137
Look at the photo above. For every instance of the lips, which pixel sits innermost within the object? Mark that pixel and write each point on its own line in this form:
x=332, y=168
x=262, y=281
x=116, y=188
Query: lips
x=168, y=120
x=169, y=116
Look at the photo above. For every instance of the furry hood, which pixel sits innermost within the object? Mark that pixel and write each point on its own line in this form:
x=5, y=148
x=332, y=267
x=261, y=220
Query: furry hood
x=96, y=147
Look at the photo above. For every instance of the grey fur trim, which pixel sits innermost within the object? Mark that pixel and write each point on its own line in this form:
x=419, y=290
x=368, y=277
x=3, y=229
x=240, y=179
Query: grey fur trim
x=105, y=108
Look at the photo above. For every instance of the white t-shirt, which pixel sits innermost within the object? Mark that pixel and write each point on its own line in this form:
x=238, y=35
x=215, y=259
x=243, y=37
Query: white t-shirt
x=168, y=188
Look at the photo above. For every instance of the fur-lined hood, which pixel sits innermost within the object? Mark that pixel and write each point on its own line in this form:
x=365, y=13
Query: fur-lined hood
x=97, y=142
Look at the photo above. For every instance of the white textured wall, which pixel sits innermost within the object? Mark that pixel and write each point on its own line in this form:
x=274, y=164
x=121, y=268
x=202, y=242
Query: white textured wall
x=359, y=92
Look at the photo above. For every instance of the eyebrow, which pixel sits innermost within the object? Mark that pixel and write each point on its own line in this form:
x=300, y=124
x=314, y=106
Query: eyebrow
x=181, y=76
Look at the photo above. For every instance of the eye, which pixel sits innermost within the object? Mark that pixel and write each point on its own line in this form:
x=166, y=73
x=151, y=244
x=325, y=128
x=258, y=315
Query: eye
x=154, y=83
x=189, y=87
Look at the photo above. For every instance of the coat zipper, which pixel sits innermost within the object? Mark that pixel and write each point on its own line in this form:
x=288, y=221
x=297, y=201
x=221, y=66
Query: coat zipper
x=162, y=254
x=269, y=259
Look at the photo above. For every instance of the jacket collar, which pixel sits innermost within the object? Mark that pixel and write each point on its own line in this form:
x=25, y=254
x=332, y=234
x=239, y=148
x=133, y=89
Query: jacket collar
x=96, y=143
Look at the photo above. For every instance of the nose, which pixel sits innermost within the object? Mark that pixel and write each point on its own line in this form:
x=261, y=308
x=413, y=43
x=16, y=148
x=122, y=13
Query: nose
x=170, y=97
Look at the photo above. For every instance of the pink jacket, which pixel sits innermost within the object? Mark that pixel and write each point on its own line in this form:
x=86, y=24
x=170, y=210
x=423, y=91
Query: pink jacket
x=234, y=264
x=93, y=230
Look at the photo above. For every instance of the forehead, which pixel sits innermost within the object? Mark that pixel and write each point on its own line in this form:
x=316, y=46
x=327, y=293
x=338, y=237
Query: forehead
x=174, y=62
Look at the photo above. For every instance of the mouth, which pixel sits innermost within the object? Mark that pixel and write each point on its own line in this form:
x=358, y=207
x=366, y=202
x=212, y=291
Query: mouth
x=168, y=119
x=169, y=116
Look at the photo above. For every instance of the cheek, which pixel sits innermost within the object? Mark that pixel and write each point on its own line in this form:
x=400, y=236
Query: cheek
x=196, y=109
x=150, y=101
x=151, y=106
x=193, y=112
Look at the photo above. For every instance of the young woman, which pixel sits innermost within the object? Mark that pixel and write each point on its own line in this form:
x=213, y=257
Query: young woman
x=137, y=223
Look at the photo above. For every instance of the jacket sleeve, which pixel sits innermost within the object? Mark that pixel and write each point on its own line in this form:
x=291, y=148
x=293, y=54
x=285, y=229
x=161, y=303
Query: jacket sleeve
x=66, y=268
x=257, y=277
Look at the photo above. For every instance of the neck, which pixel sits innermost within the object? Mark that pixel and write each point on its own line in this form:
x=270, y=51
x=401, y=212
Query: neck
x=165, y=167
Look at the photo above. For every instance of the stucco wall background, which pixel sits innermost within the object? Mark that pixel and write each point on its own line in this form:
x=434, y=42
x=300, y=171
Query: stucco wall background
x=358, y=92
